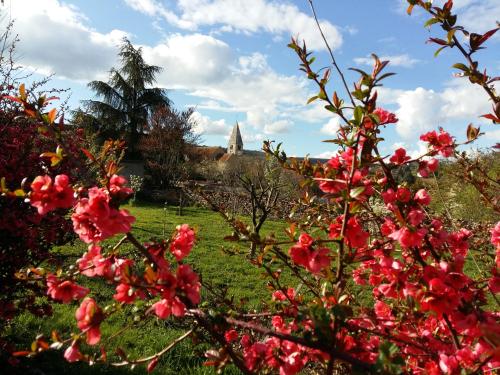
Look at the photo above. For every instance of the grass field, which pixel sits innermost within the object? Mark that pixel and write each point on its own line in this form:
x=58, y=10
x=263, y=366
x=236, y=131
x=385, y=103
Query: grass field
x=153, y=221
x=243, y=280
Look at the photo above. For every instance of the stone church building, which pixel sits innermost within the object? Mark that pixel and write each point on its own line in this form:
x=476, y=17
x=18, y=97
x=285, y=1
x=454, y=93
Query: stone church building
x=235, y=144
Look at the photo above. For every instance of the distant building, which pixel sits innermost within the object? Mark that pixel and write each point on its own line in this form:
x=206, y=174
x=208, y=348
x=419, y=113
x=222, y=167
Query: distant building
x=235, y=144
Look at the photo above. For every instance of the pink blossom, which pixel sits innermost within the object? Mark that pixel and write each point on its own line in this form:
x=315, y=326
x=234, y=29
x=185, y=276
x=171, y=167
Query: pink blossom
x=422, y=197
x=95, y=220
x=385, y=117
x=441, y=143
x=448, y=364
x=183, y=242
x=409, y=238
x=72, y=353
x=89, y=317
x=231, y=335
x=188, y=282
x=318, y=260
x=117, y=187
x=415, y=216
x=354, y=234
x=403, y=195
x=64, y=291
x=495, y=235
x=399, y=157
x=426, y=167
x=93, y=264
x=126, y=293
x=165, y=307
x=47, y=196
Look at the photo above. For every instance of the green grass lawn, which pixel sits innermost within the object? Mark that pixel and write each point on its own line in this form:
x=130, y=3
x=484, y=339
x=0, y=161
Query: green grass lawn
x=243, y=280
x=153, y=221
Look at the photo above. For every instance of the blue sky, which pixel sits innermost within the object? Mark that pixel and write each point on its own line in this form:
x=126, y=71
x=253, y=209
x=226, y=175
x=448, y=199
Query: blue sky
x=228, y=59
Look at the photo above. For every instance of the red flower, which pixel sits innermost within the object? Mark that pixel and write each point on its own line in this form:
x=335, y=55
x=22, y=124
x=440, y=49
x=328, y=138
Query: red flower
x=318, y=260
x=93, y=264
x=426, y=167
x=47, y=196
x=415, y=216
x=183, y=242
x=495, y=235
x=165, y=307
x=89, y=317
x=299, y=255
x=408, y=238
x=117, y=187
x=231, y=335
x=188, y=282
x=94, y=220
x=126, y=293
x=399, y=156
x=441, y=143
x=422, y=197
x=65, y=291
x=403, y=195
x=354, y=234
x=385, y=117
x=72, y=353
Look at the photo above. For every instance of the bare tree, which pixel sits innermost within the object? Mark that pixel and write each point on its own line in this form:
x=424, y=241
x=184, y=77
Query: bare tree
x=167, y=146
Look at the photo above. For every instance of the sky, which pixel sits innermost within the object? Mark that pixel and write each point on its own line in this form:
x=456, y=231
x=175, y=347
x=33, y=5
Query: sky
x=229, y=60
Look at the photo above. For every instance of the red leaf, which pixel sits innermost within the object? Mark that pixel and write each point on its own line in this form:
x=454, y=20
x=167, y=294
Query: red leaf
x=491, y=117
x=52, y=115
x=22, y=353
x=152, y=364
x=12, y=98
x=441, y=42
x=486, y=36
x=88, y=154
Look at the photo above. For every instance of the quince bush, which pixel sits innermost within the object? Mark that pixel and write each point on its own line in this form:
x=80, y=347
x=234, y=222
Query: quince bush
x=428, y=315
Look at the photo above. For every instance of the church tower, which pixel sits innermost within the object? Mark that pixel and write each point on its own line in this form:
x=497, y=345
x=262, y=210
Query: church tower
x=235, y=145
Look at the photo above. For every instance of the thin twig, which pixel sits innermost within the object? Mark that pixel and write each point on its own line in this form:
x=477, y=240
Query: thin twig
x=334, y=62
x=157, y=355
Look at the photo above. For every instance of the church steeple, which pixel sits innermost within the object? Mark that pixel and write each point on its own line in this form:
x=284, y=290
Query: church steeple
x=235, y=144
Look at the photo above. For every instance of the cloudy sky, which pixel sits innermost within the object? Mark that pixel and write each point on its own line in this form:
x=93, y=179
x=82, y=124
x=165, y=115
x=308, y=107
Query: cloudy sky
x=228, y=59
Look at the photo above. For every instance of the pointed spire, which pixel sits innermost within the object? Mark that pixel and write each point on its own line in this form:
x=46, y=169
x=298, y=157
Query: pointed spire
x=235, y=144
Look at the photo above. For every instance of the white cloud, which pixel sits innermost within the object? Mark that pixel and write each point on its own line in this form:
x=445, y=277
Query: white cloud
x=403, y=60
x=332, y=126
x=245, y=16
x=492, y=135
x=154, y=8
x=55, y=39
x=421, y=110
x=276, y=127
x=207, y=68
x=190, y=60
x=477, y=15
x=326, y=155
x=204, y=125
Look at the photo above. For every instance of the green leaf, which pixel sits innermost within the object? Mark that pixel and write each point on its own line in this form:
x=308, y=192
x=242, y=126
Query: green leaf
x=358, y=114
x=439, y=50
x=331, y=108
x=461, y=66
x=312, y=99
x=357, y=192
x=431, y=22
